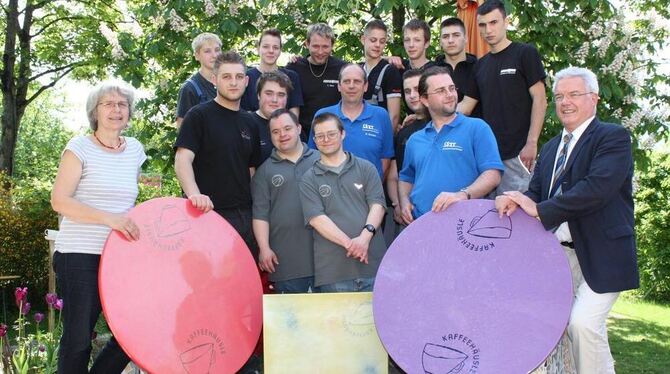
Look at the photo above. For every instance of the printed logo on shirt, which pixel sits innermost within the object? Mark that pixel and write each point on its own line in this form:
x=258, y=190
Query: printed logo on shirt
x=263, y=143
x=277, y=180
x=325, y=190
x=370, y=130
x=331, y=82
x=358, y=186
x=508, y=71
x=451, y=146
x=245, y=135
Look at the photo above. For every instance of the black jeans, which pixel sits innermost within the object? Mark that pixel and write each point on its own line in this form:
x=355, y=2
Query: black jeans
x=240, y=219
x=77, y=277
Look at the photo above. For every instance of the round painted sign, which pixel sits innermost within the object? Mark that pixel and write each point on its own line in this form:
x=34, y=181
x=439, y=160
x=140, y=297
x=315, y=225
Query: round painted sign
x=465, y=291
x=186, y=297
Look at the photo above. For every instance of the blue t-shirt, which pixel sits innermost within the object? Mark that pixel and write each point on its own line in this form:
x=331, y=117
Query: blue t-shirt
x=449, y=160
x=369, y=137
x=250, y=98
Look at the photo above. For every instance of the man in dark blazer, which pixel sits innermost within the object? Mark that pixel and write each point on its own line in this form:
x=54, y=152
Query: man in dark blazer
x=582, y=190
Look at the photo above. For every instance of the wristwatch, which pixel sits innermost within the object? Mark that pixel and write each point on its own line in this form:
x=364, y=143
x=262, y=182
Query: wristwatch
x=371, y=228
x=466, y=192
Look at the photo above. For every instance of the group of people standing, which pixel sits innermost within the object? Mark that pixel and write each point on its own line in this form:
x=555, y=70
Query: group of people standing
x=305, y=162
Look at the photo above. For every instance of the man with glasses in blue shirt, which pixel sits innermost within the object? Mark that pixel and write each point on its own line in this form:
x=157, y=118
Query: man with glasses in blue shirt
x=453, y=158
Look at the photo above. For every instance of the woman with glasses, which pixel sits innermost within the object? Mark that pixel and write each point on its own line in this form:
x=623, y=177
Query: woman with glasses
x=95, y=187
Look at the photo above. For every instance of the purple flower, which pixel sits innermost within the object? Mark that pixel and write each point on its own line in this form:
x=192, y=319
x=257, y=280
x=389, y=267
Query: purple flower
x=21, y=295
x=39, y=317
x=3, y=330
x=42, y=348
x=58, y=305
x=51, y=299
x=25, y=309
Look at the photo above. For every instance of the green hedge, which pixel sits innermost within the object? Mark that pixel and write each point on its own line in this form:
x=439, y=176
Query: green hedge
x=25, y=213
x=652, y=216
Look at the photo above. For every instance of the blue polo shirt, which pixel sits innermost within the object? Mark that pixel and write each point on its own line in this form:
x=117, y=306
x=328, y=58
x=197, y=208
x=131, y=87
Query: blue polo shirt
x=448, y=160
x=370, y=136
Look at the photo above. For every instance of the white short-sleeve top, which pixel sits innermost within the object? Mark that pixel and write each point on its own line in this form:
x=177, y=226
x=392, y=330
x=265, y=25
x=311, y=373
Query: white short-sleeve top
x=108, y=182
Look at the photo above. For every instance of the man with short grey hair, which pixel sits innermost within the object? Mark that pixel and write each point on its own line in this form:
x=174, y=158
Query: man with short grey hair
x=343, y=200
x=582, y=191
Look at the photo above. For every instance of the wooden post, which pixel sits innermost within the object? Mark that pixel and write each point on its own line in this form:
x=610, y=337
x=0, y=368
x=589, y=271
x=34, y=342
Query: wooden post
x=50, y=236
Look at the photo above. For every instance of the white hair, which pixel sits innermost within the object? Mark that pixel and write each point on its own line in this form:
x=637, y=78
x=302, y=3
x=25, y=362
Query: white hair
x=587, y=75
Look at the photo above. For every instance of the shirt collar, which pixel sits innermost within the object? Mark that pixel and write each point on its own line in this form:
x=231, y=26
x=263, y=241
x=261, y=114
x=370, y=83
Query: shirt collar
x=365, y=114
x=579, y=131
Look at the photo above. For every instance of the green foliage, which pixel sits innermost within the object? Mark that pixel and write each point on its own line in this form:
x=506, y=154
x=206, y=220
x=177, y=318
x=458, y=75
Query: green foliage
x=25, y=210
x=652, y=203
x=24, y=215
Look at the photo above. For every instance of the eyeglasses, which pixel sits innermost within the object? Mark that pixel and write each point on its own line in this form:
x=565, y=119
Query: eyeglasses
x=330, y=135
x=442, y=90
x=572, y=95
x=113, y=104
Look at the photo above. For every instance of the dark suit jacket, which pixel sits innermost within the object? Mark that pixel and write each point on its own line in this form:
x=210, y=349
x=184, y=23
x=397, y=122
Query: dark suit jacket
x=597, y=203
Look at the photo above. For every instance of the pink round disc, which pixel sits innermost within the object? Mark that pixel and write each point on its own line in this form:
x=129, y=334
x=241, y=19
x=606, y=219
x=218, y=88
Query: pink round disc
x=186, y=297
x=465, y=291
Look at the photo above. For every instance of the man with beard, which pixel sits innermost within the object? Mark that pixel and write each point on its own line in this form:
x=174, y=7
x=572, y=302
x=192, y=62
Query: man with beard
x=318, y=74
x=217, y=150
x=453, y=158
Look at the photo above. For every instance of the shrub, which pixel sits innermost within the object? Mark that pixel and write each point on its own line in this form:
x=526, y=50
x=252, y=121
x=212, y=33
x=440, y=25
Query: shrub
x=652, y=218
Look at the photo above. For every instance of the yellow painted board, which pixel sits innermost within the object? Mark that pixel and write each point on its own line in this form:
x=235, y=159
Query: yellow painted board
x=321, y=334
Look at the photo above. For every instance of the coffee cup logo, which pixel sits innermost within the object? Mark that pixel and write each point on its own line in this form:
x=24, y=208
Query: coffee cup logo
x=199, y=359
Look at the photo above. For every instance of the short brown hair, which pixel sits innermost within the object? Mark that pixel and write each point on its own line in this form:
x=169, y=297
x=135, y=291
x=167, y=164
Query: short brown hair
x=229, y=57
x=325, y=117
x=274, y=76
x=418, y=24
x=272, y=32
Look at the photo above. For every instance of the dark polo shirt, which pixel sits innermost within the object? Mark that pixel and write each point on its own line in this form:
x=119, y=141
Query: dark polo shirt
x=276, y=199
x=344, y=197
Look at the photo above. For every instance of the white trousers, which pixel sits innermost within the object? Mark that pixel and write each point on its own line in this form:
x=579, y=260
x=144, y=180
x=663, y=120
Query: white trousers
x=587, y=329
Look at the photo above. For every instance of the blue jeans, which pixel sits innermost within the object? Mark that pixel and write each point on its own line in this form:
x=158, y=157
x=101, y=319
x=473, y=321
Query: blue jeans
x=353, y=285
x=297, y=285
x=77, y=276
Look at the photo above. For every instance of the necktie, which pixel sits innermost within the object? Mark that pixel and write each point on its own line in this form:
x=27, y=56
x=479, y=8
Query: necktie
x=560, y=167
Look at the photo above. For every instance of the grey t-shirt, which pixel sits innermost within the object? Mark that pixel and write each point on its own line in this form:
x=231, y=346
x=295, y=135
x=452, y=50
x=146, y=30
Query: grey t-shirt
x=276, y=200
x=346, y=199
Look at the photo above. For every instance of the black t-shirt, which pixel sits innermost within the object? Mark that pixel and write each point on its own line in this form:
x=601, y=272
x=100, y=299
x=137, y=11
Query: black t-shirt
x=226, y=145
x=408, y=66
x=403, y=136
x=391, y=84
x=263, y=127
x=188, y=96
x=464, y=77
x=501, y=85
x=319, y=88
x=250, y=98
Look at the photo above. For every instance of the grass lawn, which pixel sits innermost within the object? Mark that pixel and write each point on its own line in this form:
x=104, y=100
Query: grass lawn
x=639, y=334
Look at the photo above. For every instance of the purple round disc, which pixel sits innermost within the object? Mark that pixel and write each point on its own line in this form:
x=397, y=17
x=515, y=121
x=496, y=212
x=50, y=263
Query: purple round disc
x=465, y=291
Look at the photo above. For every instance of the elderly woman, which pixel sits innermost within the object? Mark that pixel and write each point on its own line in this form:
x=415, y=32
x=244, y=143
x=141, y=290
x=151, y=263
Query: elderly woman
x=95, y=187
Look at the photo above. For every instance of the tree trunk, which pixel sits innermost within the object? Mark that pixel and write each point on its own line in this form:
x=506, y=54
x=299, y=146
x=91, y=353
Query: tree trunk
x=14, y=88
x=398, y=21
